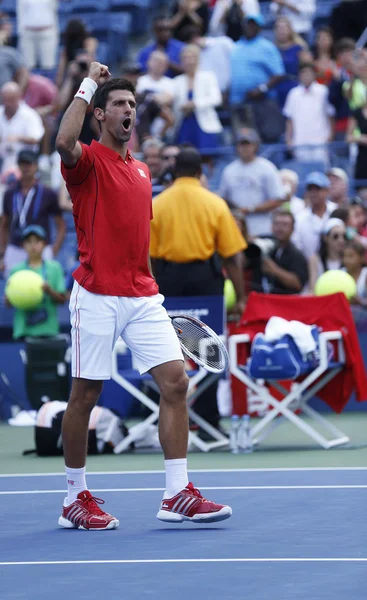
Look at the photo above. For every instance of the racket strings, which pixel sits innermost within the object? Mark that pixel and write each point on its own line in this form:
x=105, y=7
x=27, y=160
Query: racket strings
x=200, y=344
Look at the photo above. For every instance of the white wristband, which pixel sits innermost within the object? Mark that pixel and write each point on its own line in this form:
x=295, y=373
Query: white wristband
x=86, y=89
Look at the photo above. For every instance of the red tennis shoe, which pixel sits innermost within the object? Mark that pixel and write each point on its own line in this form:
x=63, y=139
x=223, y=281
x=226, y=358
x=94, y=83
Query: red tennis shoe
x=85, y=513
x=189, y=505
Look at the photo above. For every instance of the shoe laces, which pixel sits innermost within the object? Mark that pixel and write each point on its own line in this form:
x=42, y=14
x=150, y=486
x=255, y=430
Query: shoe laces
x=91, y=504
x=194, y=491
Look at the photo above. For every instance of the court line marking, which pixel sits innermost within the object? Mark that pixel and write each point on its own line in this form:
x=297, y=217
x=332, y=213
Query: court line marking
x=160, y=472
x=227, y=487
x=182, y=560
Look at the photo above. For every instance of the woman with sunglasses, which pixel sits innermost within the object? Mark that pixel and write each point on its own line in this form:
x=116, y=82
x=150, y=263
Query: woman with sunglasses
x=355, y=264
x=330, y=254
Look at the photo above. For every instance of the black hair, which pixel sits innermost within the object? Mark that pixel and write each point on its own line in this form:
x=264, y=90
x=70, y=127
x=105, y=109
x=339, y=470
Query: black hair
x=306, y=65
x=341, y=213
x=325, y=29
x=344, y=44
x=188, y=163
x=284, y=213
x=75, y=35
x=101, y=95
x=189, y=32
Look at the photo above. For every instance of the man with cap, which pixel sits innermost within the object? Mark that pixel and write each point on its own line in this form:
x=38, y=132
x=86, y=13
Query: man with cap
x=339, y=186
x=256, y=64
x=28, y=203
x=311, y=221
x=252, y=185
x=42, y=321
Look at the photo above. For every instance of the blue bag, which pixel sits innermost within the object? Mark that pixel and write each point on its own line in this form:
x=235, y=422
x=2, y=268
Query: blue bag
x=280, y=359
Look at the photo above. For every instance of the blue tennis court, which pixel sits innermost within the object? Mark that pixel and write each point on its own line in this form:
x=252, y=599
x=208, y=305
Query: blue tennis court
x=295, y=534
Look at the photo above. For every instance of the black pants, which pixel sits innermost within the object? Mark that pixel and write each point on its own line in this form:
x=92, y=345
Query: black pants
x=194, y=279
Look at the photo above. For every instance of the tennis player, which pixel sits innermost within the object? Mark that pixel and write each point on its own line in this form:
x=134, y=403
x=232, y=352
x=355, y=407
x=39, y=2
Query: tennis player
x=115, y=294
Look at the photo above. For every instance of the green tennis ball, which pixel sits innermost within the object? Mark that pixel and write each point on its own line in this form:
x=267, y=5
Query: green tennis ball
x=230, y=297
x=24, y=290
x=335, y=281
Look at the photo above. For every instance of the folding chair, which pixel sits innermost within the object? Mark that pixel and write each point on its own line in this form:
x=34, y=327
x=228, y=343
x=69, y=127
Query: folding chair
x=294, y=402
x=209, y=309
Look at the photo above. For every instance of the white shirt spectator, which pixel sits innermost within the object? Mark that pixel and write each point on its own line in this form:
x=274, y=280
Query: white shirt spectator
x=301, y=19
x=296, y=206
x=308, y=228
x=247, y=185
x=37, y=24
x=309, y=111
x=215, y=56
x=26, y=123
x=216, y=27
x=146, y=83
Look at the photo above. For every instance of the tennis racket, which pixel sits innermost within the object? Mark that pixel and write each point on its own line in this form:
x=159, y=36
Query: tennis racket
x=201, y=343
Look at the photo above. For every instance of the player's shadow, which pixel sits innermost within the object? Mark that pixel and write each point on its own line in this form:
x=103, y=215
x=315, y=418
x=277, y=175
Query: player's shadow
x=185, y=529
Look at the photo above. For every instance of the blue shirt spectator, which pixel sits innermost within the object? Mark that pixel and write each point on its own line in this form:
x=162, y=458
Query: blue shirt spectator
x=165, y=43
x=256, y=63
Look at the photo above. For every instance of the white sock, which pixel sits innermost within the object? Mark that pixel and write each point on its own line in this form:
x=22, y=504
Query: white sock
x=76, y=483
x=176, y=476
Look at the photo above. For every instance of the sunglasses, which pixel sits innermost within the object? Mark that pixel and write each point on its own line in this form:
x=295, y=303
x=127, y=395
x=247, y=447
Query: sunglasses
x=337, y=236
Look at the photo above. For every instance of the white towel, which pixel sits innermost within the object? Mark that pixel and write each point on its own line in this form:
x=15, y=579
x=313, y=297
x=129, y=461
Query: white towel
x=301, y=333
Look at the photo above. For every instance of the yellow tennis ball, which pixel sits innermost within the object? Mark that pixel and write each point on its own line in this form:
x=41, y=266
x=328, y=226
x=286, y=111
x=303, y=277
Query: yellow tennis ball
x=230, y=297
x=335, y=281
x=24, y=289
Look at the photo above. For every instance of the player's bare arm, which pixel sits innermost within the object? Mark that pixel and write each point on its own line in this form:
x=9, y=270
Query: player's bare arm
x=71, y=125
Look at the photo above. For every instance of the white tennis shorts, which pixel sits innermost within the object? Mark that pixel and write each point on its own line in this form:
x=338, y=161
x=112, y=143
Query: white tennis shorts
x=97, y=321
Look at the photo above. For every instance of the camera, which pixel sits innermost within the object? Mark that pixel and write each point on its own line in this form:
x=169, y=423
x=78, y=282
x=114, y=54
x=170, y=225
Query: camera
x=258, y=248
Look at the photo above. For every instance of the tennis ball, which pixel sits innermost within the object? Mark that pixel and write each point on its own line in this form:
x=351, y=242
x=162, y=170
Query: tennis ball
x=24, y=289
x=335, y=281
x=229, y=294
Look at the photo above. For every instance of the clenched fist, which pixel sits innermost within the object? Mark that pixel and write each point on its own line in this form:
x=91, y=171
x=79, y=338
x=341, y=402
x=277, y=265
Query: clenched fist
x=97, y=71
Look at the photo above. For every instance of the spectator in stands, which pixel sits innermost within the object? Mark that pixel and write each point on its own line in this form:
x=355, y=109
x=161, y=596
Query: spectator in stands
x=196, y=95
x=151, y=150
x=169, y=154
x=354, y=261
x=20, y=126
x=339, y=186
x=28, y=203
x=299, y=12
x=290, y=45
x=164, y=42
x=290, y=181
x=359, y=212
x=190, y=228
x=344, y=50
x=12, y=67
x=215, y=55
x=311, y=222
x=228, y=16
x=252, y=184
x=76, y=39
x=42, y=321
x=309, y=117
x=256, y=67
x=38, y=29
x=76, y=71
x=284, y=270
x=6, y=29
x=329, y=256
x=356, y=90
x=357, y=134
x=155, y=96
x=41, y=93
x=189, y=12
x=349, y=216
x=324, y=55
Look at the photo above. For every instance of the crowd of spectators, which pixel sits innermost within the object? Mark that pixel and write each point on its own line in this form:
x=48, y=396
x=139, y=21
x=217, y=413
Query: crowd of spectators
x=214, y=73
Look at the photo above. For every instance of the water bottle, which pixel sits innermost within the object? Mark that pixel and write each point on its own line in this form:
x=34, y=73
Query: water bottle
x=233, y=436
x=245, y=441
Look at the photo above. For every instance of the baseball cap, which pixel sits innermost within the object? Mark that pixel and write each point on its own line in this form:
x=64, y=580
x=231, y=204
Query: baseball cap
x=34, y=230
x=248, y=135
x=317, y=178
x=258, y=19
x=27, y=156
x=337, y=172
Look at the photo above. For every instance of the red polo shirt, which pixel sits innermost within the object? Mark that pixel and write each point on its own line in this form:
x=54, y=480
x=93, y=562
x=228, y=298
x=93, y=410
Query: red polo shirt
x=112, y=208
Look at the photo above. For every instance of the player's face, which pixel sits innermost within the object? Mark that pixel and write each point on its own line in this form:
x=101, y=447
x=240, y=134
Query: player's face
x=120, y=115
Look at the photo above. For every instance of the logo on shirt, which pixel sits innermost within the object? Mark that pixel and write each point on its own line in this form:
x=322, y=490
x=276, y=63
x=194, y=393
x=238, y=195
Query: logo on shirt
x=142, y=173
